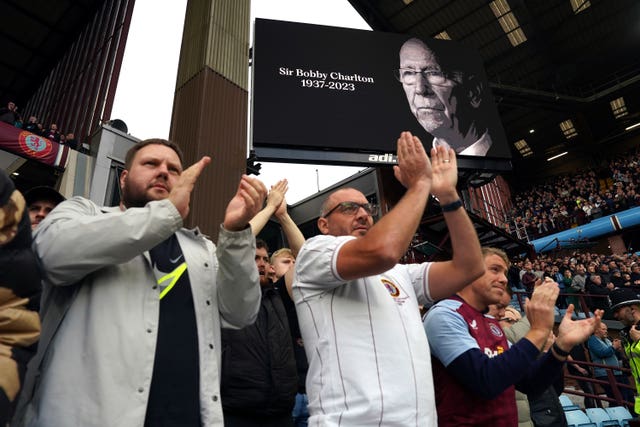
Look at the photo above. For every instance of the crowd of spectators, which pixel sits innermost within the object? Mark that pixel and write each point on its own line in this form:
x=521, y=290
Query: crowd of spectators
x=159, y=162
x=572, y=200
x=585, y=273
x=589, y=281
x=10, y=115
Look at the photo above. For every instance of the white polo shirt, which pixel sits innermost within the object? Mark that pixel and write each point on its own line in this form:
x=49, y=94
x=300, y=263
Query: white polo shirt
x=369, y=360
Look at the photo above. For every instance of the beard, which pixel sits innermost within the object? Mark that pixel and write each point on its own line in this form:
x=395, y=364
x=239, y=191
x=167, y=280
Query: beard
x=264, y=280
x=133, y=197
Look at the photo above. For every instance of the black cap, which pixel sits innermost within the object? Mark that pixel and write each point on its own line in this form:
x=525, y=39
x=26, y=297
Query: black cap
x=43, y=193
x=622, y=297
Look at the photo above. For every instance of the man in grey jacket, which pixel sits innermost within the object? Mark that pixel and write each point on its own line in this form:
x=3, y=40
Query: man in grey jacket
x=133, y=303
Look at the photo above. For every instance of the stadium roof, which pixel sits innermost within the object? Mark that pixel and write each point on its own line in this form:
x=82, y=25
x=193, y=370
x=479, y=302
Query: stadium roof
x=548, y=62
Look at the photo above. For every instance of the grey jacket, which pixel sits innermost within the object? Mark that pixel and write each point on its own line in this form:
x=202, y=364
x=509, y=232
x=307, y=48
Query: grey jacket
x=514, y=334
x=100, y=311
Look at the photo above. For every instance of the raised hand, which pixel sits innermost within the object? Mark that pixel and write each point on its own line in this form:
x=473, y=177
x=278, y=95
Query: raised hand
x=246, y=203
x=282, y=209
x=572, y=332
x=617, y=344
x=540, y=309
x=414, y=167
x=282, y=186
x=180, y=194
x=445, y=174
x=512, y=313
x=276, y=194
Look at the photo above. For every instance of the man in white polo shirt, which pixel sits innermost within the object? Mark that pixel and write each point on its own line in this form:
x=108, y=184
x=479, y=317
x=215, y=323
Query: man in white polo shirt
x=369, y=362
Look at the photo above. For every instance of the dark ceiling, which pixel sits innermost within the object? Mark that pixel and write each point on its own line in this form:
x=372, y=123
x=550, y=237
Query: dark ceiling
x=33, y=36
x=571, y=66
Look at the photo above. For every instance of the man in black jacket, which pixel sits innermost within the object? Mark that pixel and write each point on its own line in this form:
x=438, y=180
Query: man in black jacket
x=596, y=286
x=259, y=379
x=9, y=114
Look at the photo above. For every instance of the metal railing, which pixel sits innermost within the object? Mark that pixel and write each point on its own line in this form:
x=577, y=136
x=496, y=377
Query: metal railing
x=617, y=400
x=583, y=307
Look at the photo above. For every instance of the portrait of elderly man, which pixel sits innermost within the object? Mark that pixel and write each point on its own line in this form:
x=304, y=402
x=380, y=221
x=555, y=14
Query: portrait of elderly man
x=447, y=96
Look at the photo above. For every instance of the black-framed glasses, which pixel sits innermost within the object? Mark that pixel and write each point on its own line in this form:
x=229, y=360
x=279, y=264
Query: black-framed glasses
x=409, y=76
x=351, y=208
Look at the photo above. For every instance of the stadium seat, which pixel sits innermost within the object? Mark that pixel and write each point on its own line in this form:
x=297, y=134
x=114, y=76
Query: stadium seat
x=619, y=413
x=601, y=417
x=579, y=315
x=577, y=418
x=567, y=404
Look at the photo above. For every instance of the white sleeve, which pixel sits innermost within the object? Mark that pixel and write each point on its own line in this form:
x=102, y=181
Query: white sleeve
x=419, y=276
x=316, y=263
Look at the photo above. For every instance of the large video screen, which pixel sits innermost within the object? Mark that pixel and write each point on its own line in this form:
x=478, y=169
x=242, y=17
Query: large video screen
x=342, y=96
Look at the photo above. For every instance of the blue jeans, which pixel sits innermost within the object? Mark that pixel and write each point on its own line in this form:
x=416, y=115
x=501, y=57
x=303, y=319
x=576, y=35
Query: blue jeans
x=300, y=412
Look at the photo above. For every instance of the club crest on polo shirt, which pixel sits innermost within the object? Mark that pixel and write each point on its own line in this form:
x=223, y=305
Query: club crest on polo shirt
x=394, y=291
x=495, y=330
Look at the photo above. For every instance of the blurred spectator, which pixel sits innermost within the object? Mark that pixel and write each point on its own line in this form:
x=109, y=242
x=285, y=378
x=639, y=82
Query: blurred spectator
x=40, y=202
x=258, y=385
x=575, y=199
x=508, y=316
x=578, y=284
x=564, y=285
x=579, y=279
x=555, y=274
x=606, y=352
x=513, y=275
x=9, y=114
x=578, y=354
x=616, y=278
x=19, y=295
x=32, y=125
x=52, y=133
x=635, y=274
x=528, y=277
x=605, y=274
x=71, y=141
x=596, y=287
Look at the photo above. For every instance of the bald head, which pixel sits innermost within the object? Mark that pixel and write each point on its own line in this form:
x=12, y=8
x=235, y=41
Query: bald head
x=337, y=196
x=416, y=48
x=339, y=220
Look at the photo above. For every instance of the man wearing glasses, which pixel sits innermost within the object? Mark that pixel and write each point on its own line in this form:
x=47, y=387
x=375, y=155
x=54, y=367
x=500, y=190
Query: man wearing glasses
x=447, y=101
x=369, y=361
